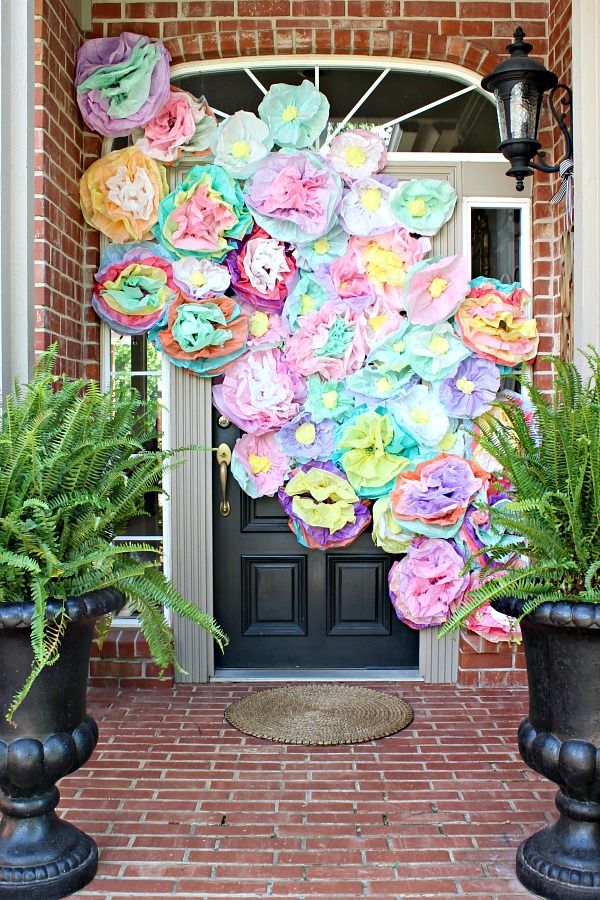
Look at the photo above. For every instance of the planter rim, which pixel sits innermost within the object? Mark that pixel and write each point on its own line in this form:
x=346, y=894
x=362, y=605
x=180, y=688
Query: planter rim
x=88, y=606
x=563, y=614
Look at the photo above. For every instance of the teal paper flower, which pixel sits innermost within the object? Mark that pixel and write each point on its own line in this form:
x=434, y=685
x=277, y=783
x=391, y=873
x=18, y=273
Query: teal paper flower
x=327, y=399
x=387, y=369
x=435, y=352
x=309, y=293
x=323, y=250
x=296, y=115
x=423, y=205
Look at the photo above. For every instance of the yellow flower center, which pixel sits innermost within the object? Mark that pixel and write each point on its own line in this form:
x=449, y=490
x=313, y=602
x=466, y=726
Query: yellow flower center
x=376, y=322
x=240, y=150
x=259, y=464
x=384, y=266
x=399, y=346
x=437, y=287
x=447, y=442
x=330, y=399
x=438, y=345
x=383, y=385
x=417, y=207
x=197, y=279
x=259, y=324
x=321, y=246
x=306, y=304
x=305, y=434
x=465, y=385
x=371, y=199
x=355, y=156
x=290, y=113
x=419, y=415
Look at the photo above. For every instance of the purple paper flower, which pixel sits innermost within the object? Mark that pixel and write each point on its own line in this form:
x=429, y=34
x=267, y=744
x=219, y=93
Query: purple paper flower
x=304, y=439
x=472, y=389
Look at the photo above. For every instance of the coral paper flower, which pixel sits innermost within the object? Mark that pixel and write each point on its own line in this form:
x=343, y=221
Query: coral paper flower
x=120, y=194
x=259, y=392
x=198, y=277
x=421, y=414
x=204, y=215
x=435, y=288
x=133, y=285
x=370, y=452
x=435, y=352
x=294, y=196
x=494, y=324
x=204, y=336
x=385, y=260
x=423, y=205
x=388, y=534
x=472, y=389
x=324, y=510
x=433, y=499
x=365, y=208
x=121, y=82
x=258, y=464
x=262, y=271
x=323, y=250
x=304, y=439
x=241, y=142
x=295, y=114
x=329, y=342
x=356, y=154
x=182, y=125
x=427, y=584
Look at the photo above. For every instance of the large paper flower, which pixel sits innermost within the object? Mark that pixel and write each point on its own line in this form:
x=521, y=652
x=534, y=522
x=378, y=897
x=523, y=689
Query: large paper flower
x=433, y=498
x=435, y=288
x=258, y=464
x=324, y=510
x=295, y=114
x=388, y=534
x=329, y=342
x=241, y=142
x=199, y=277
x=121, y=82
x=369, y=449
x=262, y=271
x=323, y=250
x=421, y=414
x=435, y=351
x=427, y=584
x=304, y=439
x=493, y=626
x=259, y=392
x=327, y=399
x=423, y=205
x=356, y=154
x=310, y=292
x=133, y=285
x=386, y=258
x=204, y=336
x=120, y=194
x=182, y=125
x=294, y=196
x=472, y=389
x=494, y=324
x=365, y=208
x=204, y=215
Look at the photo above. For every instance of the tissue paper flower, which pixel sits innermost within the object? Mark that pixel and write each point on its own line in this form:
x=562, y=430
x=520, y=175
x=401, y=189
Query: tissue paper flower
x=204, y=215
x=198, y=277
x=324, y=511
x=435, y=352
x=435, y=288
x=120, y=194
x=357, y=154
x=472, y=389
x=294, y=196
x=423, y=205
x=494, y=324
x=491, y=625
x=388, y=534
x=327, y=399
x=240, y=143
x=262, y=271
x=295, y=114
x=121, y=82
x=329, y=342
x=258, y=464
x=204, y=336
x=421, y=414
x=309, y=293
x=182, y=125
x=433, y=498
x=133, y=285
x=259, y=392
x=427, y=584
x=369, y=450
x=265, y=331
x=349, y=279
x=477, y=531
x=323, y=250
x=304, y=439
x=384, y=375
x=386, y=258
x=365, y=208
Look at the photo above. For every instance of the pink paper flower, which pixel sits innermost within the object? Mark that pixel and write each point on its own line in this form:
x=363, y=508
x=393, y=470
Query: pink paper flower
x=183, y=122
x=435, y=288
x=266, y=331
x=493, y=626
x=426, y=585
x=330, y=342
x=258, y=464
x=385, y=260
x=349, y=280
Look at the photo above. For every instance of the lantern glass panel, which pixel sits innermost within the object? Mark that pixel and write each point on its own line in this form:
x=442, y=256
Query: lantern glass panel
x=502, y=126
x=524, y=110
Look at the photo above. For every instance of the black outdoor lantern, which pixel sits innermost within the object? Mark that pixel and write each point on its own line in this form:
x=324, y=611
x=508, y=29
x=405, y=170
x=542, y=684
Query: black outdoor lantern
x=518, y=84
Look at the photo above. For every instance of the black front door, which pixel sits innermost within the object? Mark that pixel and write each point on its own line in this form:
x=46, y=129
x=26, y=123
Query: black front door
x=285, y=606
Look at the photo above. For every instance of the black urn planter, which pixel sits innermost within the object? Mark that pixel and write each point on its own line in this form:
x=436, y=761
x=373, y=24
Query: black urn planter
x=561, y=740
x=41, y=856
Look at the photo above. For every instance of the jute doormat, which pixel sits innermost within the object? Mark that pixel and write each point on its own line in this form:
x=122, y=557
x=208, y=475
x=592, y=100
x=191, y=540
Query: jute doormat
x=319, y=714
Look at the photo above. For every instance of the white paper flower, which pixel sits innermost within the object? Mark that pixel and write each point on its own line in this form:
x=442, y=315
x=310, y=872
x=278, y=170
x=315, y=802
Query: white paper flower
x=356, y=154
x=365, y=208
x=135, y=195
x=421, y=414
x=240, y=143
x=199, y=277
x=265, y=263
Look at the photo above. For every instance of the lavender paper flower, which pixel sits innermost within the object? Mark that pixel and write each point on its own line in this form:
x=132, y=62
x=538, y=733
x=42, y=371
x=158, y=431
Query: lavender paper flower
x=472, y=389
x=304, y=439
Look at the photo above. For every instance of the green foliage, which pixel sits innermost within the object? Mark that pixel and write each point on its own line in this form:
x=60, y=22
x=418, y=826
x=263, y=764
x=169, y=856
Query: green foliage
x=553, y=464
x=74, y=470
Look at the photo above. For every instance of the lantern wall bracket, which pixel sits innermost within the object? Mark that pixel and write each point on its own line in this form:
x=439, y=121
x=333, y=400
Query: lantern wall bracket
x=561, y=120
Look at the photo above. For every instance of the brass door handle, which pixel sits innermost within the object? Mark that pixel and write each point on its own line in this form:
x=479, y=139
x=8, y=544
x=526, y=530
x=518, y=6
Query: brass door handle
x=224, y=459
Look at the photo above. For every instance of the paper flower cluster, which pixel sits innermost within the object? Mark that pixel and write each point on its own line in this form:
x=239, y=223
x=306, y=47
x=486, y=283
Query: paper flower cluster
x=356, y=366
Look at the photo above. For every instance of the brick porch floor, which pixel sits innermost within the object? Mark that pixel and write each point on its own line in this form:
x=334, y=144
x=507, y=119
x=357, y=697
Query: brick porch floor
x=184, y=806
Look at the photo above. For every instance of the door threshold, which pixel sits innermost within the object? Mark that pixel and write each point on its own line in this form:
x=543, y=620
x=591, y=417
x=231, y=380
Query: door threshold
x=294, y=674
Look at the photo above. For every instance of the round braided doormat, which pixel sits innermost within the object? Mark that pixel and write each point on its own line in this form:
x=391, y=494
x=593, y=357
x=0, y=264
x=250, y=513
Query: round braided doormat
x=319, y=714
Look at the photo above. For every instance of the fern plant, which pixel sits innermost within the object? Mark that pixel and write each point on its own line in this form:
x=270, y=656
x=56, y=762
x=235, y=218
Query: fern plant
x=74, y=469
x=553, y=464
